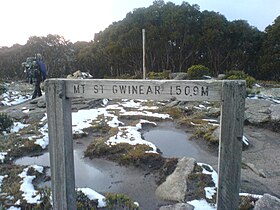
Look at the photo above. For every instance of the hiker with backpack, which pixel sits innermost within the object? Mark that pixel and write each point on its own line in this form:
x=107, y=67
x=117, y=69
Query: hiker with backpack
x=36, y=73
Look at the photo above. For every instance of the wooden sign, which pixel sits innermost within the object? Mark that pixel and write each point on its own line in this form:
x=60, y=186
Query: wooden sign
x=59, y=93
x=145, y=89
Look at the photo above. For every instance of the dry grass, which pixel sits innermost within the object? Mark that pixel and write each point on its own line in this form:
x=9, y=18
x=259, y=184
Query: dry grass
x=11, y=183
x=17, y=147
x=205, y=132
x=196, y=183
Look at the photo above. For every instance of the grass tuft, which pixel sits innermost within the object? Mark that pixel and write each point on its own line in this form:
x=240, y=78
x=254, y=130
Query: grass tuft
x=120, y=201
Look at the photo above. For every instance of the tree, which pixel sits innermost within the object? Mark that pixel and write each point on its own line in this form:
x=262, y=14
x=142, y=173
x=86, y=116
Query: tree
x=270, y=53
x=214, y=43
x=245, y=47
x=177, y=37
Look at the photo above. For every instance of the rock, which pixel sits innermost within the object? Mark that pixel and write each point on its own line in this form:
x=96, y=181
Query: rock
x=221, y=76
x=268, y=202
x=275, y=112
x=175, y=186
x=178, y=206
x=257, y=111
x=16, y=114
x=273, y=92
x=254, y=169
x=172, y=103
x=178, y=76
x=79, y=75
x=34, y=117
x=214, y=111
x=41, y=103
x=216, y=136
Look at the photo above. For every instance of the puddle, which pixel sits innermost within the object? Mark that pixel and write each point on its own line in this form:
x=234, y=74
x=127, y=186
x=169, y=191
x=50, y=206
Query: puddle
x=98, y=173
x=106, y=176
x=174, y=142
x=86, y=171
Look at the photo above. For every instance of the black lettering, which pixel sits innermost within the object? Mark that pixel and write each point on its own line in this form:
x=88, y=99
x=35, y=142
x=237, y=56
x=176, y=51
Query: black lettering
x=178, y=90
x=134, y=89
x=102, y=88
x=83, y=86
x=149, y=90
x=157, y=89
x=171, y=90
x=204, y=92
x=187, y=90
x=122, y=89
x=115, y=89
x=141, y=91
x=95, y=89
x=76, y=89
x=195, y=90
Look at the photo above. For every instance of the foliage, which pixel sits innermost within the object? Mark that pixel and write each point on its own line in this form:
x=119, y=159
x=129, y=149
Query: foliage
x=236, y=75
x=177, y=37
x=158, y=75
x=198, y=71
x=3, y=89
x=269, y=61
x=247, y=202
x=83, y=202
x=270, y=83
x=120, y=201
x=205, y=131
x=125, y=154
x=175, y=112
x=5, y=122
x=11, y=185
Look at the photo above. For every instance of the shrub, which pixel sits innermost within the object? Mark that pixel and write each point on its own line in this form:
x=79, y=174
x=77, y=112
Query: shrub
x=120, y=201
x=3, y=89
x=236, y=74
x=5, y=122
x=83, y=202
x=158, y=75
x=198, y=71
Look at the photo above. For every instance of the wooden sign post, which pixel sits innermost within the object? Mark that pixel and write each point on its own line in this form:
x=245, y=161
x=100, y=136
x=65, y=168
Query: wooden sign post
x=58, y=98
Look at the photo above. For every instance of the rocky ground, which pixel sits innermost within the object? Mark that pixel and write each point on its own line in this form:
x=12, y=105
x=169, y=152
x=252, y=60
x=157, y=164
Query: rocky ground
x=260, y=161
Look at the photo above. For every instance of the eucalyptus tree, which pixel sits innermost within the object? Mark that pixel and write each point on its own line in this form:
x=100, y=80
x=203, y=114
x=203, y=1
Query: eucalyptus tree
x=185, y=35
x=56, y=52
x=10, y=62
x=270, y=53
x=245, y=47
x=214, y=41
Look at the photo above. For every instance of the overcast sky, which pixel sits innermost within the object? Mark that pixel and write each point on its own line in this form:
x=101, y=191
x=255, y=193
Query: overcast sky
x=78, y=20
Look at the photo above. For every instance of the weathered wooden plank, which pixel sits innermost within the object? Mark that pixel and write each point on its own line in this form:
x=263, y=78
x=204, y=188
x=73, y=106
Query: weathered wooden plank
x=183, y=90
x=230, y=146
x=60, y=145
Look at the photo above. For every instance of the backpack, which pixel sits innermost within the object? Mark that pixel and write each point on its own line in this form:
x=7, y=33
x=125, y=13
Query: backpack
x=35, y=70
x=42, y=69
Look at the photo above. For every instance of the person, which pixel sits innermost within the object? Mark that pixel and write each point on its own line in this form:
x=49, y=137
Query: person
x=38, y=75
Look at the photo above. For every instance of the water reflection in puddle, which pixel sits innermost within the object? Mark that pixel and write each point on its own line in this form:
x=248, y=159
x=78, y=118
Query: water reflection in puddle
x=174, y=142
x=85, y=170
x=105, y=176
